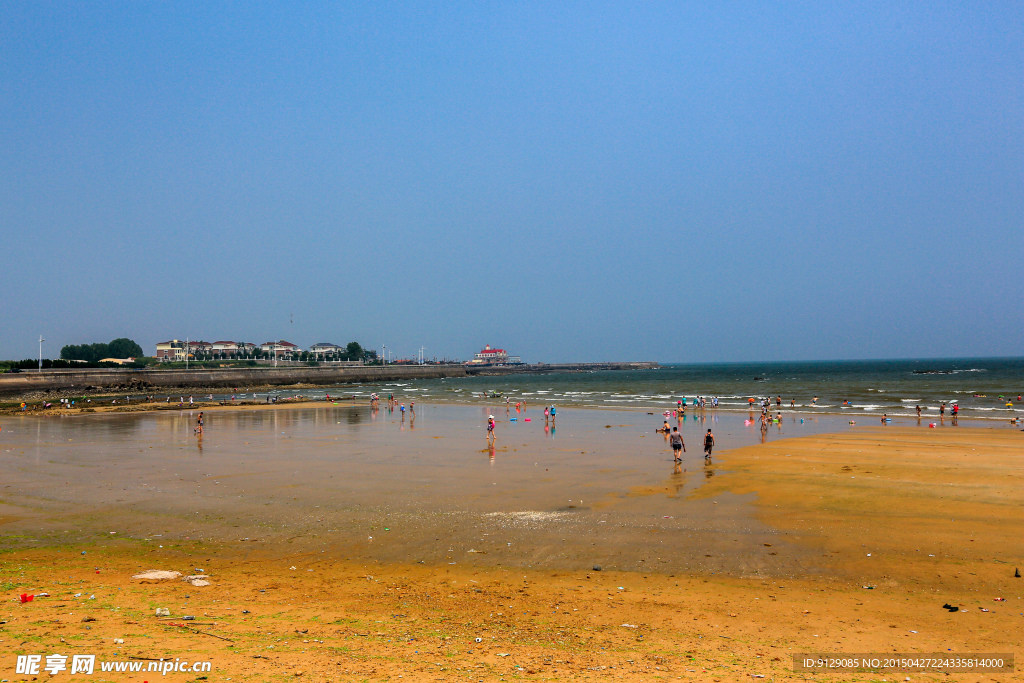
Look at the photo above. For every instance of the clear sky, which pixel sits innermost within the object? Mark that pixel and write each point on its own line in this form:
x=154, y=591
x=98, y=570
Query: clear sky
x=672, y=181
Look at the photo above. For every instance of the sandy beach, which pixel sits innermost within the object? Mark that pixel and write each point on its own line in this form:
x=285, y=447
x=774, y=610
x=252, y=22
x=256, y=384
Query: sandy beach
x=343, y=546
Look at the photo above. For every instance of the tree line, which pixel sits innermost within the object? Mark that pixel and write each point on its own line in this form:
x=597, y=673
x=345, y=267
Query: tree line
x=93, y=353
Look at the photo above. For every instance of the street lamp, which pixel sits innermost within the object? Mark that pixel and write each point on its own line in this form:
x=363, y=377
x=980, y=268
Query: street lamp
x=41, y=340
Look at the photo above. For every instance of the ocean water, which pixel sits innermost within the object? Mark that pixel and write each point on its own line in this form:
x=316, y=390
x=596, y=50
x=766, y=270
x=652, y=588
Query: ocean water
x=981, y=386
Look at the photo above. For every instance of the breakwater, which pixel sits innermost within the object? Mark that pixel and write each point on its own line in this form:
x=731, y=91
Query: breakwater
x=91, y=381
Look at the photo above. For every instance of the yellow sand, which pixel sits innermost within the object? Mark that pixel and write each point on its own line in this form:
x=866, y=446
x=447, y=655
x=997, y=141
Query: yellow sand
x=939, y=512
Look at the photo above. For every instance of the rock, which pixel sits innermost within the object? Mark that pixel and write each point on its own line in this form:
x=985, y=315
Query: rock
x=197, y=579
x=163, y=612
x=88, y=618
x=597, y=567
x=119, y=641
x=154, y=575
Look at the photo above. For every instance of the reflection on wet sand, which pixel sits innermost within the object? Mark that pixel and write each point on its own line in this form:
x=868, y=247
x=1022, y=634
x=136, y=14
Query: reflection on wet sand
x=317, y=474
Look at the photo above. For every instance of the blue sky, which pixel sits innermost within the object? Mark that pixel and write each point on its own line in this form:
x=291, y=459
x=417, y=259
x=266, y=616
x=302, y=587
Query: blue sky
x=571, y=181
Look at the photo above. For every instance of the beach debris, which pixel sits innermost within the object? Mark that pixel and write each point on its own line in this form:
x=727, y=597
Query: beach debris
x=88, y=618
x=26, y=597
x=999, y=599
x=157, y=575
x=597, y=567
x=629, y=626
x=118, y=641
x=163, y=612
x=479, y=639
x=951, y=608
x=197, y=579
x=42, y=595
x=870, y=588
x=1016, y=573
x=188, y=618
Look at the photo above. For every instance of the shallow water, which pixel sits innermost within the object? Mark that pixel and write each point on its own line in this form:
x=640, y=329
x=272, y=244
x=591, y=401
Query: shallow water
x=597, y=487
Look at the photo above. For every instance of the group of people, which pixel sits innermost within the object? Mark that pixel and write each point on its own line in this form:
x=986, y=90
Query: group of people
x=675, y=439
x=550, y=415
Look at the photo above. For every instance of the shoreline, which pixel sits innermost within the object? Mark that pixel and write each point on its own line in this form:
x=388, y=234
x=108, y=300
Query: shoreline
x=787, y=412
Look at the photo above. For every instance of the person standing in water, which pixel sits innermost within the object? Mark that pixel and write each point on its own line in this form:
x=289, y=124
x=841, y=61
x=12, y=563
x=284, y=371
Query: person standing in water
x=491, y=437
x=709, y=443
x=676, y=439
x=199, y=424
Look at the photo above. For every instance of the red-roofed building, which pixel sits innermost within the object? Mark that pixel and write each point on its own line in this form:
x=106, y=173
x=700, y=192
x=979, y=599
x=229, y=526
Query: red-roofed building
x=280, y=349
x=489, y=356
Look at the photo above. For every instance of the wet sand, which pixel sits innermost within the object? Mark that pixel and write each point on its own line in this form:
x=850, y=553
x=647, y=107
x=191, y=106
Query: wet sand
x=757, y=535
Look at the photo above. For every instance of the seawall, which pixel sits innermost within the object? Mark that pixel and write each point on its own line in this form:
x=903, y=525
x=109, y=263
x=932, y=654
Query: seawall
x=90, y=381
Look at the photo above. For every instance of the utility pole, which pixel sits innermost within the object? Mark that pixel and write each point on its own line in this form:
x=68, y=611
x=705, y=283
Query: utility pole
x=41, y=340
x=422, y=349
x=383, y=356
x=186, y=353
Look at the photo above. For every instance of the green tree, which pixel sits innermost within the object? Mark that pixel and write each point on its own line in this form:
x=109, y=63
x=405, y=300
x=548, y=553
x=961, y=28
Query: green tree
x=353, y=351
x=123, y=348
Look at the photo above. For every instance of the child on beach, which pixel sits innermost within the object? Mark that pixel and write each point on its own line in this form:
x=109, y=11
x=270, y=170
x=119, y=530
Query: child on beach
x=490, y=429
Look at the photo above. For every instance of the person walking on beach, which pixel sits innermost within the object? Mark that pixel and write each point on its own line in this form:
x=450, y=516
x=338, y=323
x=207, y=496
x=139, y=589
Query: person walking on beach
x=491, y=437
x=709, y=443
x=942, y=408
x=918, y=412
x=547, y=413
x=199, y=424
x=676, y=439
x=552, y=415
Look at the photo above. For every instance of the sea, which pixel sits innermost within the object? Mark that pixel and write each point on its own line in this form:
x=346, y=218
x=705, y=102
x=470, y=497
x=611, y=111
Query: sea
x=984, y=388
